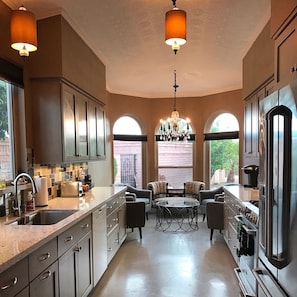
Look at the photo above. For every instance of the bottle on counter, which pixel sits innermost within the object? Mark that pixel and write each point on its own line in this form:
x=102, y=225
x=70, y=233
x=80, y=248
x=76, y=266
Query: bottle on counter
x=30, y=205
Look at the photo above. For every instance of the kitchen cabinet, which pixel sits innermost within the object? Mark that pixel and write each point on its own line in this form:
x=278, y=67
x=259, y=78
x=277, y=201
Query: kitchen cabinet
x=281, y=12
x=43, y=270
x=75, y=125
x=231, y=209
x=46, y=284
x=75, y=263
x=15, y=279
x=99, y=243
x=96, y=126
x=61, y=123
x=115, y=224
x=251, y=123
x=286, y=55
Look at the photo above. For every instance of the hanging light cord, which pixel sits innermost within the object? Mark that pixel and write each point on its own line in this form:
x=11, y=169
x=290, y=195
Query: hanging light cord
x=174, y=3
x=175, y=86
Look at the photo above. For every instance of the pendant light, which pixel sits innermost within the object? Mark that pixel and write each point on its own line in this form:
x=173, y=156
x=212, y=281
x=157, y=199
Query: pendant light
x=175, y=27
x=23, y=32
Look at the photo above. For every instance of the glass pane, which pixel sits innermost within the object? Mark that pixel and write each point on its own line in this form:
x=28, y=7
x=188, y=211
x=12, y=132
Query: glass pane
x=176, y=177
x=128, y=163
x=175, y=154
x=225, y=122
x=6, y=132
x=223, y=162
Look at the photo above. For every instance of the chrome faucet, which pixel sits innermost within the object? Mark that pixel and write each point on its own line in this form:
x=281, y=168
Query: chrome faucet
x=17, y=202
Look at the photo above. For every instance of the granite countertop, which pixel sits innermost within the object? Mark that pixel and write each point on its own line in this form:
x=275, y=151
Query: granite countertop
x=18, y=241
x=242, y=193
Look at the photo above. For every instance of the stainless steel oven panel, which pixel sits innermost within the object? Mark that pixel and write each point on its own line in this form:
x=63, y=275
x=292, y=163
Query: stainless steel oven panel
x=245, y=288
x=267, y=286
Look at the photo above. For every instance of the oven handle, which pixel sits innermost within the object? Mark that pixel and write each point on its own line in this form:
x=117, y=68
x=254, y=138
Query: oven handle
x=241, y=285
x=257, y=272
x=246, y=229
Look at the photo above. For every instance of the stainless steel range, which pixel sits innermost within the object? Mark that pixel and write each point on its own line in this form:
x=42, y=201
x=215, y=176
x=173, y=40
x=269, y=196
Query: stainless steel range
x=247, y=234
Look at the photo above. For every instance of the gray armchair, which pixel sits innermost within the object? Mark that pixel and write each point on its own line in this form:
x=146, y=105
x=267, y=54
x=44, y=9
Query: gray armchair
x=140, y=195
x=215, y=216
x=206, y=196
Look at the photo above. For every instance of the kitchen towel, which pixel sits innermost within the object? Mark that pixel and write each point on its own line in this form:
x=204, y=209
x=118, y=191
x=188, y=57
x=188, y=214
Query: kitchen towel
x=41, y=198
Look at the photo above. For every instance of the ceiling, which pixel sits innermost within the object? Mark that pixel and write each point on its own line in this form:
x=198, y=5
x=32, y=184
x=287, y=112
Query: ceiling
x=128, y=37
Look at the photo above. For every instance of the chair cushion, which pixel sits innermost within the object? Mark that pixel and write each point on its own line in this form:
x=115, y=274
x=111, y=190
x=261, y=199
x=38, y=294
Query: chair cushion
x=205, y=201
x=145, y=200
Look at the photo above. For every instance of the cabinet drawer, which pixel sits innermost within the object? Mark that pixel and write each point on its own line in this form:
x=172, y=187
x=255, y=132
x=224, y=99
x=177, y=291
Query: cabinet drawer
x=14, y=279
x=111, y=206
x=42, y=258
x=112, y=221
x=71, y=236
x=112, y=244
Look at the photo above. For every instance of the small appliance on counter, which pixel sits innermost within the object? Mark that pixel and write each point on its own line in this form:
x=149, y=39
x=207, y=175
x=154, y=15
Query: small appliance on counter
x=252, y=172
x=71, y=189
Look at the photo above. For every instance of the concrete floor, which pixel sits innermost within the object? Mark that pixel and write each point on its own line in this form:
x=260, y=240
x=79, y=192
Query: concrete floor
x=170, y=265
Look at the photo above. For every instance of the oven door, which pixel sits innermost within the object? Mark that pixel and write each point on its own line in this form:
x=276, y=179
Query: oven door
x=247, y=253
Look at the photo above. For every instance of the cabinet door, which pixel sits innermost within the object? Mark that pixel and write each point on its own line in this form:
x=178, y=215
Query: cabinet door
x=46, y=284
x=84, y=266
x=122, y=223
x=99, y=243
x=67, y=274
x=286, y=55
x=96, y=122
x=70, y=149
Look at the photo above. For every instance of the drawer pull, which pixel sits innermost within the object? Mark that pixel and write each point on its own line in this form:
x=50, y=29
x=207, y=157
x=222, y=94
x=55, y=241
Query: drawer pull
x=110, y=226
x=12, y=283
x=109, y=249
x=69, y=238
x=45, y=275
x=85, y=226
x=115, y=220
x=77, y=249
x=44, y=257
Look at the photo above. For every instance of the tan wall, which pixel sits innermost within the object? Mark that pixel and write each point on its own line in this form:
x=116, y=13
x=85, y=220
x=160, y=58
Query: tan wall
x=258, y=64
x=149, y=112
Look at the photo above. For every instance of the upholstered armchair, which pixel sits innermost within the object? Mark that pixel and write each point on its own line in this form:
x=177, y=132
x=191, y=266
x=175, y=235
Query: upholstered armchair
x=206, y=196
x=140, y=195
x=159, y=189
x=135, y=215
x=192, y=188
x=215, y=216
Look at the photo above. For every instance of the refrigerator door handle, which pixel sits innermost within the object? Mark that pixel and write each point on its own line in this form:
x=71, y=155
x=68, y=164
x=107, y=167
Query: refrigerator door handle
x=279, y=152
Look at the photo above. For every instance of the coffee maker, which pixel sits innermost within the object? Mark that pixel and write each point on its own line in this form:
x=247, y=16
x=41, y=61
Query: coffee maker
x=252, y=172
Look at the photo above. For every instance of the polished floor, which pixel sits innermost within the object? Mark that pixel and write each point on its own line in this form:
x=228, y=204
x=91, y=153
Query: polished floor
x=170, y=265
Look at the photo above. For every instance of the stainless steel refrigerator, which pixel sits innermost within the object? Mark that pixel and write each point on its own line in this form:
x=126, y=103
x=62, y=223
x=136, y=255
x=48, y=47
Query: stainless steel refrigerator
x=276, y=273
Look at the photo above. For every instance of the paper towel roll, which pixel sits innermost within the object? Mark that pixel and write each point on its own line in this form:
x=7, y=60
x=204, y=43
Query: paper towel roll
x=41, y=198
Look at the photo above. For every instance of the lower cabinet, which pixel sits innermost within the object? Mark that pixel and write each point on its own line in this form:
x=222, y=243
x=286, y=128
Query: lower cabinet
x=115, y=224
x=75, y=265
x=46, y=284
x=230, y=225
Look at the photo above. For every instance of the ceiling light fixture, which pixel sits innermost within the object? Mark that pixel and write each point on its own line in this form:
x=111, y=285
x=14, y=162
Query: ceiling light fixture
x=174, y=128
x=175, y=27
x=23, y=33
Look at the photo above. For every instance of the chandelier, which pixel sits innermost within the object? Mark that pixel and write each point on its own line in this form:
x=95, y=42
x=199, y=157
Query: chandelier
x=174, y=128
x=175, y=27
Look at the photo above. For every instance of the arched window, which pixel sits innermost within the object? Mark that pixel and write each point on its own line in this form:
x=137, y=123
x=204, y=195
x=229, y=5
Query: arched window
x=128, y=152
x=223, y=150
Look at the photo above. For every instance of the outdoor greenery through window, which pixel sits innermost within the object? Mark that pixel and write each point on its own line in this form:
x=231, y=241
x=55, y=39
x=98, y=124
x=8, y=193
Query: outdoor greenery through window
x=6, y=132
x=224, y=153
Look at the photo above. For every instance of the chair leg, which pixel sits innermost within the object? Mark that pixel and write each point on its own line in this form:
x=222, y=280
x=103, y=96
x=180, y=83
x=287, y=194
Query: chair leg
x=140, y=232
x=146, y=214
x=203, y=217
x=211, y=234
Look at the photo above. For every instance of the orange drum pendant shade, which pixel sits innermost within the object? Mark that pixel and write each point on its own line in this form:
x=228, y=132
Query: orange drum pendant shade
x=23, y=33
x=175, y=28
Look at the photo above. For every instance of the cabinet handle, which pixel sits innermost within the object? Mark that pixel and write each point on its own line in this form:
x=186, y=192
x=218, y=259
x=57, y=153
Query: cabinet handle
x=44, y=256
x=85, y=226
x=109, y=249
x=77, y=249
x=69, y=238
x=11, y=283
x=115, y=220
x=109, y=207
x=45, y=275
x=110, y=226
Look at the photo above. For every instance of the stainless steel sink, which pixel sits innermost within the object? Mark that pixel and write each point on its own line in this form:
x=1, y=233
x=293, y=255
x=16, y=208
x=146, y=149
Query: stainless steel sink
x=44, y=217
